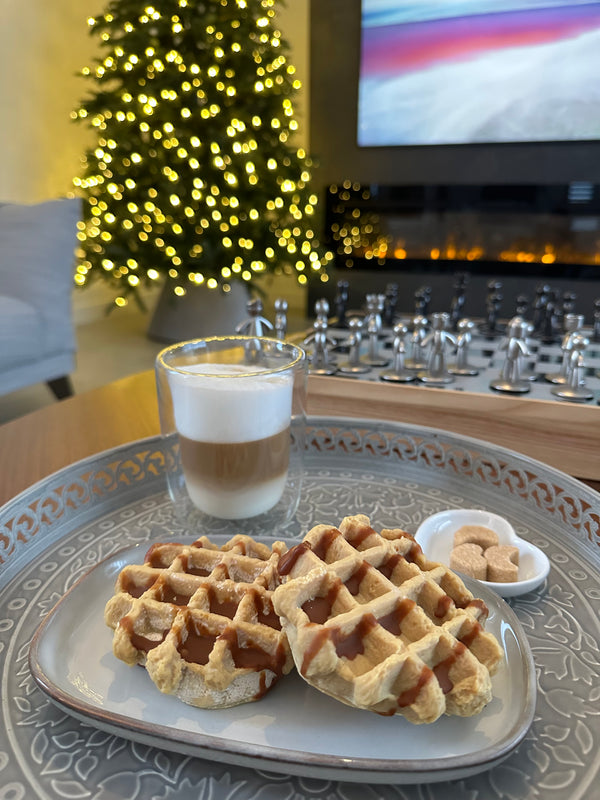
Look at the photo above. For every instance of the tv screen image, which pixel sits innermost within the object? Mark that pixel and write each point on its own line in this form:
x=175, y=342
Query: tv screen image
x=436, y=72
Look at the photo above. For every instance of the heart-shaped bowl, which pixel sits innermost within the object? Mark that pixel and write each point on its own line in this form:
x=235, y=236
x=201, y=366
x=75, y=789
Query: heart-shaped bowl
x=436, y=537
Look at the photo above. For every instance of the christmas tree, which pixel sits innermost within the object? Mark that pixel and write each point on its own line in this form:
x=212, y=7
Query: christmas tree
x=194, y=177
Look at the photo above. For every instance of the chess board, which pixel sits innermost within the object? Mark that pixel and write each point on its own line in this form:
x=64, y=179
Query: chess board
x=486, y=356
x=563, y=434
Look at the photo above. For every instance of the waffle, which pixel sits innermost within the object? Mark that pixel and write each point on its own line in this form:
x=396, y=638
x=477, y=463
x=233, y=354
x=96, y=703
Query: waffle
x=373, y=623
x=200, y=619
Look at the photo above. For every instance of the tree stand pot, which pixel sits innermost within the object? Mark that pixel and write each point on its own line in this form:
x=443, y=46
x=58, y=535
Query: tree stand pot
x=200, y=312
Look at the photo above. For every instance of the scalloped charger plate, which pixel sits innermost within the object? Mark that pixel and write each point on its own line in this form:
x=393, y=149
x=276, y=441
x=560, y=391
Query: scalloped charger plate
x=294, y=729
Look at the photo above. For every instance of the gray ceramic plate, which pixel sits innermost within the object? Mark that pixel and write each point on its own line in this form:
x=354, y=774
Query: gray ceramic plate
x=295, y=729
x=53, y=534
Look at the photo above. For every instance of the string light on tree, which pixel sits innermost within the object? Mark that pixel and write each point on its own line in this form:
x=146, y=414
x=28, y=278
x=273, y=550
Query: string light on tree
x=194, y=178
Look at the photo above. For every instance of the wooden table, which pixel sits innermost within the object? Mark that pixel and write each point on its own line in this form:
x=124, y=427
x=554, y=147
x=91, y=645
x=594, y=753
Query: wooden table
x=44, y=441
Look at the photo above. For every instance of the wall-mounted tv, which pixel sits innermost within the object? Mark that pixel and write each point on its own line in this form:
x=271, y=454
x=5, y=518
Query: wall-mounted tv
x=438, y=72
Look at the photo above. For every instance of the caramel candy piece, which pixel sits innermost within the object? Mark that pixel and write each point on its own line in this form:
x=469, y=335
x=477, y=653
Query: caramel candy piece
x=503, y=563
x=468, y=558
x=477, y=534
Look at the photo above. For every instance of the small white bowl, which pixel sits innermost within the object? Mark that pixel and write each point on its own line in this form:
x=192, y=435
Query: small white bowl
x=436, y=537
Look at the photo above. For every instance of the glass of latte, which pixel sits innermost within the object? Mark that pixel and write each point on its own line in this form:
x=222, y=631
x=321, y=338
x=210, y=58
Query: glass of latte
x=232, y=414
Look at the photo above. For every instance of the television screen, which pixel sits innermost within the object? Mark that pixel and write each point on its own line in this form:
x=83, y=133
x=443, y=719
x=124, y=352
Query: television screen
x=478, y=71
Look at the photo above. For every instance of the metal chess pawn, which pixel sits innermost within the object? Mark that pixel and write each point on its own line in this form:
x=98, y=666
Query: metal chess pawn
x=465, y=328
x=596, y=331
x=281, y=309
x=572, y=324
x=341, y=303
x=322, y=310
x=494, y=299
x=398, y=373
x=354, y=365
x=515, y=345
x=256, y=324
x=574, y=389
x=438, y=340
x=417, y=358
x=319, y=362
x=391, y=304
x=375, y=304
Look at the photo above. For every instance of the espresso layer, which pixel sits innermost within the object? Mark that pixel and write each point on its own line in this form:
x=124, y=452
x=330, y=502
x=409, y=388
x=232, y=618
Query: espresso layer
x=234, y=466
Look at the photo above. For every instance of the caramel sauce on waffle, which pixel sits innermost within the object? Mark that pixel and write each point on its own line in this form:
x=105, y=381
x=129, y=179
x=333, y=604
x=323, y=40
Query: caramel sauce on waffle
x=288, y=560
x=354, y=581
x=168, y=595
x=392, y=622
x=140, y=642
x=444, y=604
x=226, y=608
x=408, y=697
x=188, y=567
x=135, y=589
x=442, y=669
x=319, y=609
x=350, y=645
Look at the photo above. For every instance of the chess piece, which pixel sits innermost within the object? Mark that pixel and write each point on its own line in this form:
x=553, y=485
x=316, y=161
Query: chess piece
x=398, y=373
x=319, y=361
x=256, y=324
x=574, y=389
x=390, y=304
x=374, y=323
x=596, y=331
x=465, y=329
x=422, y=301
x=568, y=303
x=417, y=358
x=354, y=365
x=552, y=322
x=572, y=324
x=437, y=339
x=281, y=309
x=515, y=345
x=522, y=307
x=494, y=299
x=341, y=303
x=458, y=301
x=322, y=310
x=542, y=294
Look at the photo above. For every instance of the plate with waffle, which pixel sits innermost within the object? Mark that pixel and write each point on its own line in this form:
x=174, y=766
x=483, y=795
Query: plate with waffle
x=345, y=655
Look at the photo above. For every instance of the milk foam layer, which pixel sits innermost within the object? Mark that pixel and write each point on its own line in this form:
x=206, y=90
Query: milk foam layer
x=230, y=408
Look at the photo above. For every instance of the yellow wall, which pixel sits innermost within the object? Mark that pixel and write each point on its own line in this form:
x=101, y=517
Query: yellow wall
x=43, y=44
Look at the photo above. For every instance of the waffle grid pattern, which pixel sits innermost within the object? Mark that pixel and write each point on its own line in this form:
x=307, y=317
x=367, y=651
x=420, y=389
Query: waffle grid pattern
x=372, y=622
x=200, y=619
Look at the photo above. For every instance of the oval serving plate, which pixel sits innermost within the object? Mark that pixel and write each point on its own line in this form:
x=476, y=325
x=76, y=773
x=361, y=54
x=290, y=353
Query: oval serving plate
x=294, y=729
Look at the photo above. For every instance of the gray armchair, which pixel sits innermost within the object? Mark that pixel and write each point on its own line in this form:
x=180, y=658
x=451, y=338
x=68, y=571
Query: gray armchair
x=37, y=336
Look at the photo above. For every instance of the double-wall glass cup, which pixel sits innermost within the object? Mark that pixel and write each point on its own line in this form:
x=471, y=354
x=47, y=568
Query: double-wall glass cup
x=233, y=415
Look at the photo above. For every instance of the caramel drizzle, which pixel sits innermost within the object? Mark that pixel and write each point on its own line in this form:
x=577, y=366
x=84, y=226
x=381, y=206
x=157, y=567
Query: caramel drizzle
x=253, y=656
x=408, y=697
x=139, y=642
x=443, y=606
x=288, y=560
x=442, y=669
x=392, y=621
x=321, y=548
x=353, y=581
x=134, y=589
x=226, y=608
x=198, y=643
x=350, y=645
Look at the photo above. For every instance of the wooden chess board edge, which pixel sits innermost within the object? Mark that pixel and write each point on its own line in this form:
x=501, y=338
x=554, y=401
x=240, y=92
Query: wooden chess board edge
x=564, y=435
